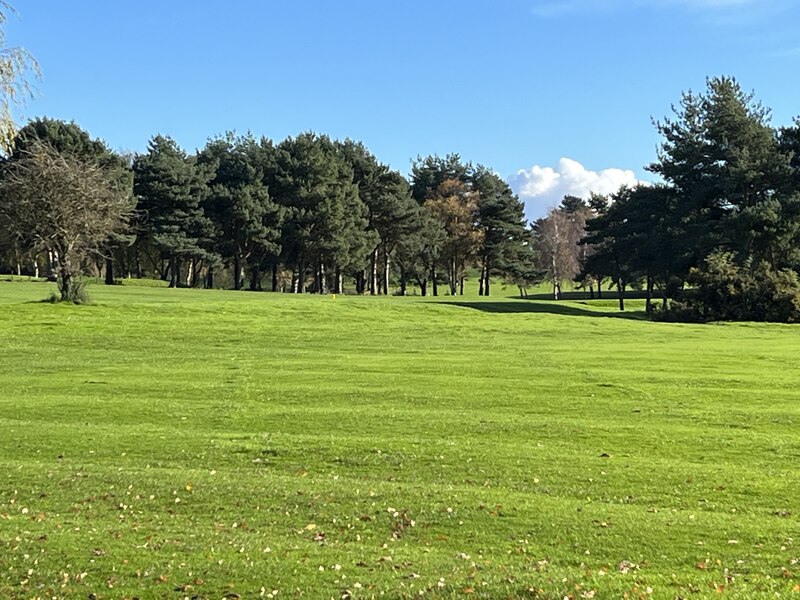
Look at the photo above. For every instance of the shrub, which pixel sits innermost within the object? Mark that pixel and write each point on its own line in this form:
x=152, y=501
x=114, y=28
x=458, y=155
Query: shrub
x=78, y=293
x=723, y=290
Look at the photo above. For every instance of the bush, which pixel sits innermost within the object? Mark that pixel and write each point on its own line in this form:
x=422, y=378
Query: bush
x=722, y=290
x=78, y=293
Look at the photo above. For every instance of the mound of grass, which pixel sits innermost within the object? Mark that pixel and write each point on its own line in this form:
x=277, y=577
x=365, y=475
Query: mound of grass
x=188, y=443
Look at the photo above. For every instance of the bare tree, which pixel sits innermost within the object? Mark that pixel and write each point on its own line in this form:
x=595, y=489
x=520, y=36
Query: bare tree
x=556, y=240
x=17, y=69
x=63, y=205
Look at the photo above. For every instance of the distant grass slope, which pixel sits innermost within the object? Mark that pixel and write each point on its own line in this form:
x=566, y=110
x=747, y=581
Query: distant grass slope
x=187, y=443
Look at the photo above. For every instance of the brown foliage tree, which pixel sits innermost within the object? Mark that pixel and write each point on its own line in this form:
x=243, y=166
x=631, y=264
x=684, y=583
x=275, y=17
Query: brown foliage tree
x=455, y=206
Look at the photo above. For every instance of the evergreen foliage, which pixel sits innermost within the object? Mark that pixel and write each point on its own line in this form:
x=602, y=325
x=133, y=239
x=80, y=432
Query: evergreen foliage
x=724, y=223
x=327, y=216
x=171, y=187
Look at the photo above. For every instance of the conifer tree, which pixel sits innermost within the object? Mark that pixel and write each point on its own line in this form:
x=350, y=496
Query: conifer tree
x=171, y=188
x=246, y=218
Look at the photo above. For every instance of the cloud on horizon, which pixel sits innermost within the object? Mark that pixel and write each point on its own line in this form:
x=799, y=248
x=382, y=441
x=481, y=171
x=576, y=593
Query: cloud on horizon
x=542, y=188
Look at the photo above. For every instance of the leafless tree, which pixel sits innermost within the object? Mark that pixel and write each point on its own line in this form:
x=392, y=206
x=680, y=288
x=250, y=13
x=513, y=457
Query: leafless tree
x=62, y=205
x=17, y=69
x=556, y=238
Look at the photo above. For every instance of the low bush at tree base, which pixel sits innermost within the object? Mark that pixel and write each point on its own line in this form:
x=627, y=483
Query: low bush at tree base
x=722, y=290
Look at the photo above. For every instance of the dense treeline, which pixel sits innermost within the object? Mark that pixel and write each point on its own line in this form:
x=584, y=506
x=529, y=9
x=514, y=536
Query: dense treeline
x=307, y=214
x=718, y=237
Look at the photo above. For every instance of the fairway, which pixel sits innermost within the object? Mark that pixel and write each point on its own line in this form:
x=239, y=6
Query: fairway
x=173, y=443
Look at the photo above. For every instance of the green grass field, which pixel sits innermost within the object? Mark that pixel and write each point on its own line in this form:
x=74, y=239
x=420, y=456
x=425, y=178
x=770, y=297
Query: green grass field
x=207, y=444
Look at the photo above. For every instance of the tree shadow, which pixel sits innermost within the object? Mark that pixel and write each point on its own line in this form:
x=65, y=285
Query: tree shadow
x=553, y=307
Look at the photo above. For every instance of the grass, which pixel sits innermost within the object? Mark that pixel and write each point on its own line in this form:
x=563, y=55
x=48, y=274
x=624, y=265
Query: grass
x=208, y=444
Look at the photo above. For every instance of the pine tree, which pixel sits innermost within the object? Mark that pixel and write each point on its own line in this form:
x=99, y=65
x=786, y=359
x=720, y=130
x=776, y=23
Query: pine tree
x=502, y=221
x=171, y=188
x=326, y=222
x=246, y=219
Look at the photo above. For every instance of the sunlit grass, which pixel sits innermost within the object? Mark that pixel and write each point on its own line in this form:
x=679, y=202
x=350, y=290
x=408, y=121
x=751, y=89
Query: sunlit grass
x=189, y=443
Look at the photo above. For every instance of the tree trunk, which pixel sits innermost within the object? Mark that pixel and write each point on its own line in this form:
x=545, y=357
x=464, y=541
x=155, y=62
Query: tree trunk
x=52, y=265
x=320, y=277
x=385, y=273
x=373, y=273
x=18, y=261
x=237, y=271
x=461, y=287
x=173, y=272
x=556, y=286
x=301, y=279
x=433, y=281
x=599, y=288
x=64, y=278
x=275, y=276
x=137, y=261
x=423, y=287
x=487, y=285
x=402, y=281
x=109, y=271
x=190, y=271
x=621, y=293
x=337, y=280
x=648, y=306
x=36, y=267
x=453, y=277
x=210, y=279
x=255, y=279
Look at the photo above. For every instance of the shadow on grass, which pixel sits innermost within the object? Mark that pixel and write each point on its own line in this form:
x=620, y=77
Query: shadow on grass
x=553, y=307
x=584, y=295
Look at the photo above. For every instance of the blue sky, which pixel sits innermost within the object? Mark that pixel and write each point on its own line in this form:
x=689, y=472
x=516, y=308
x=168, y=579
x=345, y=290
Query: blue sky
x=557, y=96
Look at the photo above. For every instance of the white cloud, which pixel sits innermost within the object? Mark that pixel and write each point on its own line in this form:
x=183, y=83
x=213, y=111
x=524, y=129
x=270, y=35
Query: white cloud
x=541, y=188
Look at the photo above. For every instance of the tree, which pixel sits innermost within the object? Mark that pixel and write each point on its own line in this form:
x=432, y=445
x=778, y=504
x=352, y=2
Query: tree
x=455, y=206
x=730, y=176
x=616, y=240
x=522, y=270
x=502, y=221
x=556, y=238
x=419, y=250
x=391, y=211
x=246, y=218
x=171, y=187
x=731, y=187
x=498, y=223
x=69, y=139
x=17, y=69
x=428, y=173
x=64, y=203
x=326, y=222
